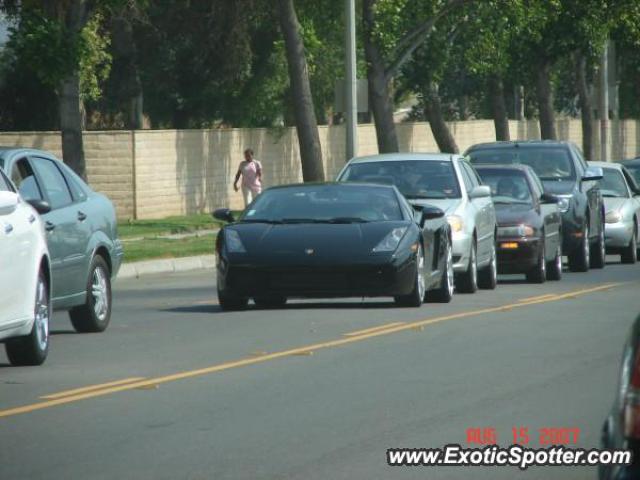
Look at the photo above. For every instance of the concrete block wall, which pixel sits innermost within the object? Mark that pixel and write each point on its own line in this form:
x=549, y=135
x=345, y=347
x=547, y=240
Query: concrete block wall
x=157, y=173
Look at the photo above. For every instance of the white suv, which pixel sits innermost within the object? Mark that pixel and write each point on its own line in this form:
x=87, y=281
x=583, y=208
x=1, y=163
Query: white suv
x=25, y=284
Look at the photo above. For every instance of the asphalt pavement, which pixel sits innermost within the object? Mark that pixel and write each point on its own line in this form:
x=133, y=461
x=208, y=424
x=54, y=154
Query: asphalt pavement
x=177, y=389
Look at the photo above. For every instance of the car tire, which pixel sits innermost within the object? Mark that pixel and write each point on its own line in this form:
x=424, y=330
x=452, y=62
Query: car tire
x=629, y=253
x=538, y=274
x=270, y=302
x=488, y=276
x=416, y=297
x=467, y=282
x=444, y=293
x=33, y=349
x=554, y=267
x=598, y=252
x=95, y=314
x=579, y=259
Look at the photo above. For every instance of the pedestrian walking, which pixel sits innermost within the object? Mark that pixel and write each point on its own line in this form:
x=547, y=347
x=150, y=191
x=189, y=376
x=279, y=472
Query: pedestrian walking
x=250, y=170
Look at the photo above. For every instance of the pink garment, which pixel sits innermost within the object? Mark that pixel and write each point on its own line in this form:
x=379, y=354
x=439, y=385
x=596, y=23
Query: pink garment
x=250, y=175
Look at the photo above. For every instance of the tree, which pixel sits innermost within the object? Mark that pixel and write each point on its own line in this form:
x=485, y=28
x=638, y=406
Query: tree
x=303, y=107
x=393, y=30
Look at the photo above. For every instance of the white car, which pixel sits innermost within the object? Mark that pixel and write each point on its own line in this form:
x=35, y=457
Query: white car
x=450, y=183
x=25, y=275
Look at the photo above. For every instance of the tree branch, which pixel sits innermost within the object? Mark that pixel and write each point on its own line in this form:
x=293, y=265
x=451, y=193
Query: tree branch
x=412, y=40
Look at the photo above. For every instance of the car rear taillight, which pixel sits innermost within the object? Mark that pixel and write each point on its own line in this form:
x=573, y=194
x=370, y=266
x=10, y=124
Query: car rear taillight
x=632, y=403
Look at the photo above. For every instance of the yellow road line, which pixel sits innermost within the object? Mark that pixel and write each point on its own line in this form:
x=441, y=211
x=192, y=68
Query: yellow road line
x=548, y=295
x=372, y=329
x=285, y=353
x=99, y=386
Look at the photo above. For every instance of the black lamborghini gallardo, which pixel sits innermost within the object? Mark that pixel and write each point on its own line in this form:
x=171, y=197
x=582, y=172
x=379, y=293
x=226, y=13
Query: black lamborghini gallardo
x=333, y=240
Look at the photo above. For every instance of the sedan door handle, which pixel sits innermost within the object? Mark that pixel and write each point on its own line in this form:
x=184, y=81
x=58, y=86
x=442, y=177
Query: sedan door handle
x=8, y=228
x=48, y=226
x=82, y=216
x=32, y=218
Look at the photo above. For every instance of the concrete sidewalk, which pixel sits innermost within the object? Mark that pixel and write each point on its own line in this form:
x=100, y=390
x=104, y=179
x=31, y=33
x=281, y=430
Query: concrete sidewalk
x=166, y=265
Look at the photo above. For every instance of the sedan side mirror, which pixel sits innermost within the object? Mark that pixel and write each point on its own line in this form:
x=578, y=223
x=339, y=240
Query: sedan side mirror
x=8, y=202
x=223, y=214
x=548, y=198
x=40, y=206
x=481, y=191
x=593, y=173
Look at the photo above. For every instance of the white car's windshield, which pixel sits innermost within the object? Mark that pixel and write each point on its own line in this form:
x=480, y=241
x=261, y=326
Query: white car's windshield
x=414, y=178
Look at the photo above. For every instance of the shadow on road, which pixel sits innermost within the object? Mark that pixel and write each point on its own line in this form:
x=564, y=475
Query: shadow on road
x=194, y=309
x=63, y=332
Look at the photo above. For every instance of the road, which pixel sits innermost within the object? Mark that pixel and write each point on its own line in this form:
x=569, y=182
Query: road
x=176, y=389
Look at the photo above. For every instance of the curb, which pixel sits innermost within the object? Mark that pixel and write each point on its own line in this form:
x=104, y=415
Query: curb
x=166, y=265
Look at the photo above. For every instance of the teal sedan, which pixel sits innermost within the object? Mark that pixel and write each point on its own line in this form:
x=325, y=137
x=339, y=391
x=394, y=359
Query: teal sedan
x=81, y=233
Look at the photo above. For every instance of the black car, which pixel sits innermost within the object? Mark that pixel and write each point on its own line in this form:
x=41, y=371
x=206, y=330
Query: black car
x=563, y=172
x=529, y=236
x=333, y=240
x=634, y=168
x=621, y=429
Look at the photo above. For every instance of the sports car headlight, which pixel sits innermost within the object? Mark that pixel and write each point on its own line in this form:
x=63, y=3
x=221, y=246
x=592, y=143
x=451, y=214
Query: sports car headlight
x=391, y=241
x=516, y=231
x=564, y=203
x=234, y=244
x=456, y=223
x=613, y=216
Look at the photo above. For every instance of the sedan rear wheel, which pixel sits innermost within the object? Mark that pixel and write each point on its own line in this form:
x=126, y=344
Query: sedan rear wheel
x=416, y=297
x=554, y=267
x=488, y=277
x=538, y=274
x=94, y=315
x=598, y=253
x=33, y=348
x=467, y=282
x=629, y=253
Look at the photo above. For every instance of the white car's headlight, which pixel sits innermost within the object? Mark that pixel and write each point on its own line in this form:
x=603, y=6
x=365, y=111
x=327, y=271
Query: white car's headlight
x=391, y=241
x=613, y=216
x=234, y=244
x=564, y=202
x=456, y=223
x=516, y=231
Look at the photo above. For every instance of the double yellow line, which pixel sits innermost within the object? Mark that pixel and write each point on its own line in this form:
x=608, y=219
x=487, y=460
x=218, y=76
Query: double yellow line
x=75, y=395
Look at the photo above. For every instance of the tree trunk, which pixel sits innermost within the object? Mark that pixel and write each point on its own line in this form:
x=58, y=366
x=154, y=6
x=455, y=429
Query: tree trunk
x=71, y=124
x=380, y=101
x=306, y=123
x=545, y=103
x=586, y=106
x=439, y=128
x=499, y=108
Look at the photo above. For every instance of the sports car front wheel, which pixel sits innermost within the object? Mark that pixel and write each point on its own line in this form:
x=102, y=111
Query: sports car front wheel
x=416, y=297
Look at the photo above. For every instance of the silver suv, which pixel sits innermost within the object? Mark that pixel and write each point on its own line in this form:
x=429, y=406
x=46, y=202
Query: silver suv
x=450, y=183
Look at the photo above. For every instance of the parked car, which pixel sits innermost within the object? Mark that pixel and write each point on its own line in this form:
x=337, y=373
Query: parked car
x=529, y=222
x=25, y=280
x=81, y=234
x=622, y=211
x=333, y=240
x=621, y=429
x=634, y=167
x=450, y=183
x=563, y=172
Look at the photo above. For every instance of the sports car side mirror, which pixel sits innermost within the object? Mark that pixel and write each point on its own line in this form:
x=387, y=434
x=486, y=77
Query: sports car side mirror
x=40, y=206
x=548, y=198
x=223, y=214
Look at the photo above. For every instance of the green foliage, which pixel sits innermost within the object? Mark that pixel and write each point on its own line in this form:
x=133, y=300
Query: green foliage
x=94, y=59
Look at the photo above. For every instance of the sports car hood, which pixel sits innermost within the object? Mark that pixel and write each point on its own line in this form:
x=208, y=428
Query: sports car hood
x=515, y=214
x=448, y=205
x=312, y=243
x=614, y=203
x=564, y=187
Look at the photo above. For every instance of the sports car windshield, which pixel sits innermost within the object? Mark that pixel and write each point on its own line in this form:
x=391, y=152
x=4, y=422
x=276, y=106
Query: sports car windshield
x=613, y=184
x=414, y=178
x=549, y=163
x=325, y=204
x=507, y=187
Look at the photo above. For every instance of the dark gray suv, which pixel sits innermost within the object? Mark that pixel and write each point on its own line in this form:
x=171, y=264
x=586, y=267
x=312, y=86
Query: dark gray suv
x=564, y=173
